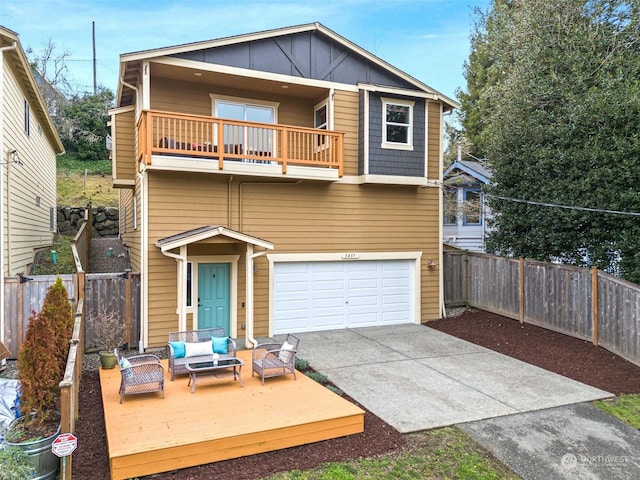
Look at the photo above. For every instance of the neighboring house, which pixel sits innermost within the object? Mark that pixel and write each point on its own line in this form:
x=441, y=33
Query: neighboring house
x=465, y=212
x=279, y=181
x=29, y=145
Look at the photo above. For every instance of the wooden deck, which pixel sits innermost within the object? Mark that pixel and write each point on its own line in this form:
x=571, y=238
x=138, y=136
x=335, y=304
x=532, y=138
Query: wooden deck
x=147, y=434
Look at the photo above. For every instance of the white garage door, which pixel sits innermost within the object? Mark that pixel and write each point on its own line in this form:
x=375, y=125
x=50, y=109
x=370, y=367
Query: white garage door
x=312, y=296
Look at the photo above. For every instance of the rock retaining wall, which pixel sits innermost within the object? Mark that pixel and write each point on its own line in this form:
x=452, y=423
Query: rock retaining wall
x=105, y=220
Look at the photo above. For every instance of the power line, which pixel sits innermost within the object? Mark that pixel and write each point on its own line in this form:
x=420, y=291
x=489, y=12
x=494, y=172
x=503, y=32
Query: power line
x=566, y=207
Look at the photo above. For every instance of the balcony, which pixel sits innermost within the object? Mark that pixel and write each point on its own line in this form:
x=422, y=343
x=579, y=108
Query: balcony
x=198, y=143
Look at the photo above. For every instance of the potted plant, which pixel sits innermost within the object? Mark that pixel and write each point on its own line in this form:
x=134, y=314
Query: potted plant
x=42, y=361
x=107, y=332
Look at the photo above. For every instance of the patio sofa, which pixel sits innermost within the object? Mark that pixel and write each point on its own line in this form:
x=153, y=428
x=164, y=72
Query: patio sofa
x=183, y=348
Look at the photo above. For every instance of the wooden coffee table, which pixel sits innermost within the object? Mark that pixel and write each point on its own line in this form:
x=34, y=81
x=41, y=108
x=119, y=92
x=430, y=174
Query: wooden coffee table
x=228, y=368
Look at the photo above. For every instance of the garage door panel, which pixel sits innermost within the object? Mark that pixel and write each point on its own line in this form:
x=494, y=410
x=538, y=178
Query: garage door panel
x=310, y=296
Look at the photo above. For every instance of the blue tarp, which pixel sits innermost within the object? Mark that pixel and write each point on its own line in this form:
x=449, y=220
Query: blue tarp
x=8, y=394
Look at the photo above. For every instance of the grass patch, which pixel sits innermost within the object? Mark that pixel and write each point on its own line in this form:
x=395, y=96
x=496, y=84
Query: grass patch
x=43, y=264
x=77, y=189
x=69, y=164
x=625, y=408
x=435, y=454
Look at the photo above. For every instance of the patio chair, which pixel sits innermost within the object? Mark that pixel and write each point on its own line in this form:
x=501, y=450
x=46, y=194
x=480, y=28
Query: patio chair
x=275, y=359
x=140, y=374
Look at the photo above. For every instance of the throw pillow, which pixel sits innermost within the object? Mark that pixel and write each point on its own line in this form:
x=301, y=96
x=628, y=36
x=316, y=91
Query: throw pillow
x=285, y=352
x=220, y=344
x=125, y=366
x=178, y=349
x=198, y=348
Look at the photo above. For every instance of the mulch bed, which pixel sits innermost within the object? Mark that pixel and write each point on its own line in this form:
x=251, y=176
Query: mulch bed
x=559, y=353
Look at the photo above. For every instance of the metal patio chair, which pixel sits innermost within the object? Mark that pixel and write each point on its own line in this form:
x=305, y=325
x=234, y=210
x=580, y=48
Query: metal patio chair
x=275, y=359
x=140, y=374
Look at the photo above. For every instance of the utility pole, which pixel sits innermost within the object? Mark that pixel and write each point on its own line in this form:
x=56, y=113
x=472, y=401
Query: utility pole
x=95, y=84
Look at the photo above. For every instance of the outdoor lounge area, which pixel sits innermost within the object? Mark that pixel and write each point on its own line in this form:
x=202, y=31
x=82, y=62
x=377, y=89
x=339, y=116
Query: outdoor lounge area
x=221, y=420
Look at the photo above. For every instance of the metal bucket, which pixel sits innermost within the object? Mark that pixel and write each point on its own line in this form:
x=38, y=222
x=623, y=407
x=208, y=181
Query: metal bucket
x=44, y=461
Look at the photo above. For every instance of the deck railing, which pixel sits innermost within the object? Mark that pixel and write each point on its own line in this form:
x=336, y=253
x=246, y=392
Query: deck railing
x=163, y=133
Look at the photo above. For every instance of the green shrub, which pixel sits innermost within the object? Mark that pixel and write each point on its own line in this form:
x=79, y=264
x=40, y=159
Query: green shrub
x=335, y=390
x=302, y=364
x=15, y=464
x=318, y=377
x=43, y=355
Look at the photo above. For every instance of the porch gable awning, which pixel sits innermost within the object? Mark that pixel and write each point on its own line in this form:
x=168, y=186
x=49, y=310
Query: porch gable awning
x=203, y=233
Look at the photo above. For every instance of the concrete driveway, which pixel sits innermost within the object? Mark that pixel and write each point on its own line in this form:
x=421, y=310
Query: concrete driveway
x=417, y=378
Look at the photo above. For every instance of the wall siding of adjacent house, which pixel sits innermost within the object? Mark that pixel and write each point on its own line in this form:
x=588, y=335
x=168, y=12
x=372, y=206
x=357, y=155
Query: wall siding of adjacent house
x=345, y=218
x=129, y=228
x=30, y=187
x=125, y=146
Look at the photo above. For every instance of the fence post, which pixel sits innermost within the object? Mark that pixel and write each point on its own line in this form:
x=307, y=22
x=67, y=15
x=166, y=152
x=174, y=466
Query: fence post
x=521, y=286
x=127, y=308
x=467, y=279
x=594, y=305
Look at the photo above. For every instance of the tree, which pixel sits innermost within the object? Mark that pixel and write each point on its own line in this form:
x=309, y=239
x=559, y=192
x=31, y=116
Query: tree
x=51, y=64
x=88, y=116
x=561, y=125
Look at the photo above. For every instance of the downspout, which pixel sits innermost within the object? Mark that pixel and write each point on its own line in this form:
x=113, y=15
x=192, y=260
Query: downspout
x=181, y=259
x=250, y=341
x=2, y=219
x=144, y=311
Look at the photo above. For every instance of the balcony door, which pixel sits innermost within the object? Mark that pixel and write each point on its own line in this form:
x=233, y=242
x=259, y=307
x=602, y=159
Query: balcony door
x=251, y=140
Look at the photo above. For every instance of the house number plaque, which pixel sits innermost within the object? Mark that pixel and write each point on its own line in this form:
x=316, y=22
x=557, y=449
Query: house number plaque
x=350, y=256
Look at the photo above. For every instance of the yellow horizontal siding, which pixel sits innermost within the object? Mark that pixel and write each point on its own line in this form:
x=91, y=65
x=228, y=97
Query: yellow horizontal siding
x=125, y=150
x=345, y=119
x=296, y=218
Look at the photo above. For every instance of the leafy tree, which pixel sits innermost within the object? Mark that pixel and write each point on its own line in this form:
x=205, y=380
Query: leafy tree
x=561, y=125
x=88, y=125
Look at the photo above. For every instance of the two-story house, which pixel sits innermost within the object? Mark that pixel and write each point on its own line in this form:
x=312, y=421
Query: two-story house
x=29, y=145
x=465, y=212
x=279, y=181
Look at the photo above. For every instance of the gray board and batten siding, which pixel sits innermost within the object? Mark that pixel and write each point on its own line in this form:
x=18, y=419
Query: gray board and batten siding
x=385, y=161
x=307, y=55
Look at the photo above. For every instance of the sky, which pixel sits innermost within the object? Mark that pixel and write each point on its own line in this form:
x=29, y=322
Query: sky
x=428, y=39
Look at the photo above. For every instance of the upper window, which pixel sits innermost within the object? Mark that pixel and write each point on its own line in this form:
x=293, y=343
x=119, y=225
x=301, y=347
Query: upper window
x=450, y=206
x=472, y=207
x=27, y=118
x=321, y=122
x=397, y=124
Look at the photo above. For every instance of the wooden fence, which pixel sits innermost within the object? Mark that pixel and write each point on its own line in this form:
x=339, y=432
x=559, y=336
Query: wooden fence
x=24, y=295
x=583, y=303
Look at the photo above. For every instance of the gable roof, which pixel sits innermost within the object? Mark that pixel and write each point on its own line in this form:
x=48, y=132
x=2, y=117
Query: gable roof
x=204, y=233
x=475, y=169
x=18, y=59
x=179, y=50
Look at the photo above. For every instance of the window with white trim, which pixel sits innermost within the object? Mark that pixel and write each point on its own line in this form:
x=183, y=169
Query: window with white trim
x=321, y=122
x=397, y=124
x=472, y=198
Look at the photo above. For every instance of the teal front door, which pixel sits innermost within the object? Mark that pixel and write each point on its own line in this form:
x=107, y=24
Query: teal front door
x=213, y=296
